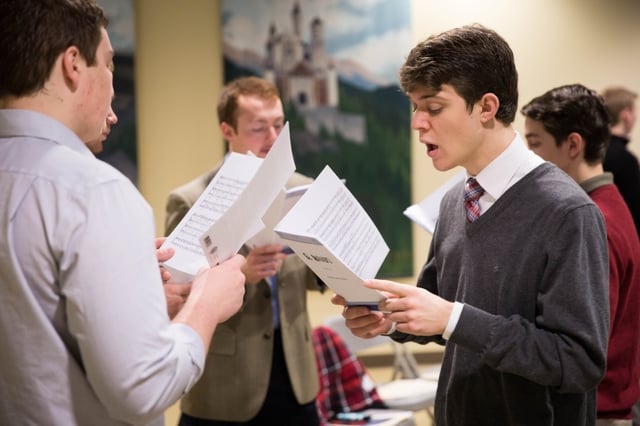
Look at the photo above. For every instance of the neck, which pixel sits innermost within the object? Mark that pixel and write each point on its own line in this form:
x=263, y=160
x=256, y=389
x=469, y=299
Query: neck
x=45, y=102
x=490, y=148
x=32, y=103
x=586, y=171
x=619, y=130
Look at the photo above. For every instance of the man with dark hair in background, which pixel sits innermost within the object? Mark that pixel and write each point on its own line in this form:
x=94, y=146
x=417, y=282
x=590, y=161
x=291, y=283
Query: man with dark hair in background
x=569, y=126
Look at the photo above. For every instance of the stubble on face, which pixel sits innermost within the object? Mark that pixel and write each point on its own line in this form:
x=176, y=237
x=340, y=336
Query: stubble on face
x=96, y=106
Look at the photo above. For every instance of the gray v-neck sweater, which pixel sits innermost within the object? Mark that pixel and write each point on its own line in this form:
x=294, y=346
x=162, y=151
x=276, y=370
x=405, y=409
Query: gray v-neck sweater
x=532, y=271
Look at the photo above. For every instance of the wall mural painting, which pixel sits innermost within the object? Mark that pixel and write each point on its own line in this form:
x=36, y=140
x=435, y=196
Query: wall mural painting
x=336, y=64
x=120, y=148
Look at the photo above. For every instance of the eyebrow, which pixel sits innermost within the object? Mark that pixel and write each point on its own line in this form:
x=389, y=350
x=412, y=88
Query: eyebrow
x=432, y=96
x=427, y=96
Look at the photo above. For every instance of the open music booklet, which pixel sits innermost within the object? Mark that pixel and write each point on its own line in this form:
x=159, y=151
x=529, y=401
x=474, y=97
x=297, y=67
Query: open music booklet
x=230, y=210
x=331, y=232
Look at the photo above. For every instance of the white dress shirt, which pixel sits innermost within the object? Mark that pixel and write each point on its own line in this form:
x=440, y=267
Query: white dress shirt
x=86, y=339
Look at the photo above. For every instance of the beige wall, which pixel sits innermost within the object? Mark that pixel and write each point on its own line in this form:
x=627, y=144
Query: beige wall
x=178, y=74
x=593, y=42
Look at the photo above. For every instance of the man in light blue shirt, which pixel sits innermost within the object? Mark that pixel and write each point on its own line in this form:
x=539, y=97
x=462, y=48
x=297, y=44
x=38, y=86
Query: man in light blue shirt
x=86, y=339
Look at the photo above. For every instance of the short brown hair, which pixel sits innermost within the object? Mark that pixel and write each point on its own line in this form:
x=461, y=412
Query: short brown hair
x=247, y=86
x=616, y=100
x=573, y=108
x=473, y=59
x=35, y=32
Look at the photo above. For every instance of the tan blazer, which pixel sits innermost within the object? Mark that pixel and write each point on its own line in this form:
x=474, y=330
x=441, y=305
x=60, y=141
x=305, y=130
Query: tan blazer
x=236, y=375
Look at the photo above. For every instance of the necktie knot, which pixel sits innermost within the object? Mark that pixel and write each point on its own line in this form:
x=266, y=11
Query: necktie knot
x=472, y=193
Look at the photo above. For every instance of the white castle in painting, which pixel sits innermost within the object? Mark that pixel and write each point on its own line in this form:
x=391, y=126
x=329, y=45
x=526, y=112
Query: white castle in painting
x=306, y=76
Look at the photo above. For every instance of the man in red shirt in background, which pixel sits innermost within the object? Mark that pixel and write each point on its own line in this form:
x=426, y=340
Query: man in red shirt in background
x=569, y=126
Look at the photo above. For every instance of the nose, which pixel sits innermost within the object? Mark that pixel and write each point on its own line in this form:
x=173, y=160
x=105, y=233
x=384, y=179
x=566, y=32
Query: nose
x=273, y=133
x=419, y=121
x=112, y=118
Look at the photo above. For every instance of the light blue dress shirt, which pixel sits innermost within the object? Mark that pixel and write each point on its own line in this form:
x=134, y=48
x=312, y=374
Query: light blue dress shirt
x=85, y=335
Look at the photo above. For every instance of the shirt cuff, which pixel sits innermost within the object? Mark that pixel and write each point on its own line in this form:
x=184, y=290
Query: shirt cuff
x=453, y=320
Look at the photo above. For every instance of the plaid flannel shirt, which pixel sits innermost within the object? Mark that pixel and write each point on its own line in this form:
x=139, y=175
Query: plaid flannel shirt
x=344, y=383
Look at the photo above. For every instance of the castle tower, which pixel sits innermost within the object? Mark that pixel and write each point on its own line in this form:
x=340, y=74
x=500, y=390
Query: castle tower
x=317, y=50
x=296, y=17
x=271, y=42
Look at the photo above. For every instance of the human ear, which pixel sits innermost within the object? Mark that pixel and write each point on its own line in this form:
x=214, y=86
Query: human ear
x=575, y=144
x=227, y=130
x=489, y=104
x=71, y=62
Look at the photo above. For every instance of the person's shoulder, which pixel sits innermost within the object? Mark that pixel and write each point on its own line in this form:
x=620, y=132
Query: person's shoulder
x=193, y=188
x=77, y=170
x=618, y=150
x=548, y=174
x=550, y=183
x=455, y=192
x=614, y=209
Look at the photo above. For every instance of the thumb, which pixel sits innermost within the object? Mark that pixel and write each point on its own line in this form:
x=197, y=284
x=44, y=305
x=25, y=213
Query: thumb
x=236, y=260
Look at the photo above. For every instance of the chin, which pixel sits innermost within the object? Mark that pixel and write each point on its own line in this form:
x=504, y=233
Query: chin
x=95, y=147
x=442, y=167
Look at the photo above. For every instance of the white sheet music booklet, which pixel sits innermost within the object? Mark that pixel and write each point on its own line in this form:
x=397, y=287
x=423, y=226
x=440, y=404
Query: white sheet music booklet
x=331, y=232
x=230, y=210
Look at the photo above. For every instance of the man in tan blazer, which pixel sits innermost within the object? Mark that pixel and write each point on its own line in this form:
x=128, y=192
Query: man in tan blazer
x=261, y=368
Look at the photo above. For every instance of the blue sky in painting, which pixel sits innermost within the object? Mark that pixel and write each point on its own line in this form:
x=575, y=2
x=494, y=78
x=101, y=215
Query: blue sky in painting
x=121, y=26
x=376, y=33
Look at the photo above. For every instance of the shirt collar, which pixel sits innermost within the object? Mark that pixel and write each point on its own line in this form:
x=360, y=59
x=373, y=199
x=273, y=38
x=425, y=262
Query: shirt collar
x=508, y=167
x=619, y=138
x=26, y=123
x=596, y=182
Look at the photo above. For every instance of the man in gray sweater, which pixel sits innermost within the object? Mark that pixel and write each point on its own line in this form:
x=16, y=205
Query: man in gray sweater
x=515, y=284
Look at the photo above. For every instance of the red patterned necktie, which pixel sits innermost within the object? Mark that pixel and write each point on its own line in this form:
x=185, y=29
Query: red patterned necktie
x=472, y=192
